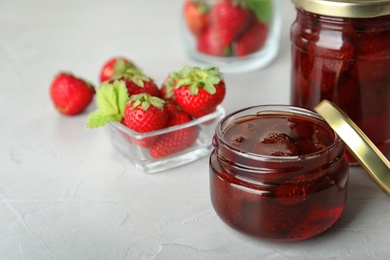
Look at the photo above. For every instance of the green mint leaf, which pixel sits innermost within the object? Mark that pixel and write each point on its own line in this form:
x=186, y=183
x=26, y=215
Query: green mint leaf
x=107, y=99
x=98, y=119
x=111, y=100
x=123, y=96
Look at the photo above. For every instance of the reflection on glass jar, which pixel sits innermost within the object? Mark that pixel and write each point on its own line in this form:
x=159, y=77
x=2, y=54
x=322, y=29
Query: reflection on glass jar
x=341, y=52
x=235, y=35
x=278, y=173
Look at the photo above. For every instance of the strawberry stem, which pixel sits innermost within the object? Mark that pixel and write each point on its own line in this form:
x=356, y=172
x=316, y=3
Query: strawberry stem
x=146, y=100
x=133, y=74
x=195, y=77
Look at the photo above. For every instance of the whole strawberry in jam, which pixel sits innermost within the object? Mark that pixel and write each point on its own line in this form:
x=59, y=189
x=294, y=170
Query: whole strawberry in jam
x=276, y=144
x=199, y=91
x=294, y=191
x=178, y=140
x=230, y=18
x=137, y=82
x=196, y=16
x=145, y=113
x=70, y=95
x=115, y=66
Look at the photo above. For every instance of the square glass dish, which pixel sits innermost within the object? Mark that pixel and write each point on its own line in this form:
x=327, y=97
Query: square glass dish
x=126, y=142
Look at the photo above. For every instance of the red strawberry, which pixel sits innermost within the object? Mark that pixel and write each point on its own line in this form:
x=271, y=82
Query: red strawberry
x=166, y=90
x=252, y=39
x=145, y=113
x=210, y=43
x=178, y=140
x=199, y=91
x=137, y=82
x=196, y=16
x=230, y=18
x=70, y=94
x=114, y=66
x=148, y=86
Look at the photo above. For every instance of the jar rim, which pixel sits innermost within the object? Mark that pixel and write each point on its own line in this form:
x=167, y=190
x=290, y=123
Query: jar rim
x=346, y=8
x=280, y=110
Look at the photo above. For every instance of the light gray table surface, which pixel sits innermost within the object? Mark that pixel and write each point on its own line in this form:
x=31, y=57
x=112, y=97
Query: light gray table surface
x=65, y=193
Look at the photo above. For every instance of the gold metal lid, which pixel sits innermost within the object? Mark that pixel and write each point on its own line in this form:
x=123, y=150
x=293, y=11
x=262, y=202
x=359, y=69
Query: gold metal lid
x=346, y=8
x=358, y=143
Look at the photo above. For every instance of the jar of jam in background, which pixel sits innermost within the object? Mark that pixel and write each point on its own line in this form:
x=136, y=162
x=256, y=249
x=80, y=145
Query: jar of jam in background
x=278, y=173
x=235, y=35
x=341, y=52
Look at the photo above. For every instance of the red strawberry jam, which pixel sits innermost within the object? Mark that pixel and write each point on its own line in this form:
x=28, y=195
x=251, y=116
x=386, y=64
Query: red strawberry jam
x=278, y=173
x=345, y=59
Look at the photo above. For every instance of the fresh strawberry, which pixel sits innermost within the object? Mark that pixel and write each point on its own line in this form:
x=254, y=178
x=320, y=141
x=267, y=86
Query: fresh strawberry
x=70, y=94
x=252, y=39
x=199, y=91
x=230, y=18
x=196, y=16
x=178, y=140
x=145, y=113
x=114, y=66
x=137, y=82
x=148, y=86
x=166, y=90
x=210, y=43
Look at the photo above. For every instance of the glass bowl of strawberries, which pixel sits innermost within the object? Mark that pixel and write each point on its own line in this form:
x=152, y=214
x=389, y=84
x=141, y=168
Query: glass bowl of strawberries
x=235, y=35
x=166, y=148
x=158, y=128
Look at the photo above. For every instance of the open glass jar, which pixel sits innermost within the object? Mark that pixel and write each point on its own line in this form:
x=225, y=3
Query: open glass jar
x=278, y=173
x=341, y=52
x=235, y=35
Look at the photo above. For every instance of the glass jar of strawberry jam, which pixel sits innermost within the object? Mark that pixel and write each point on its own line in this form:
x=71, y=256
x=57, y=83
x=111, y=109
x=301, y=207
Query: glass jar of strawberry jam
x=234, y=35
x=341, y=52
x=278, y=173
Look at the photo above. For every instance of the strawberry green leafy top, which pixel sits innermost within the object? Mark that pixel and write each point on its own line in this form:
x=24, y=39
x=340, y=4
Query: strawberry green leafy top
x=145, y=100
x=195, y=77
x=131, y=73
x=170, y=82
x=111, y=99
x=121, y=66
